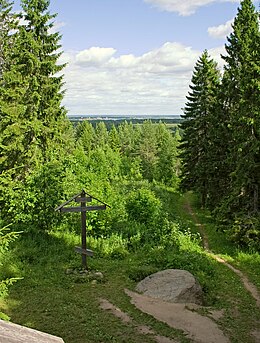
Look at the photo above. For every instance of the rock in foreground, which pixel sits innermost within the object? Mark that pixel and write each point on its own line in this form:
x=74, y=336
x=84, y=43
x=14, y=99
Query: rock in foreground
x=172, y=285
x=13, y=333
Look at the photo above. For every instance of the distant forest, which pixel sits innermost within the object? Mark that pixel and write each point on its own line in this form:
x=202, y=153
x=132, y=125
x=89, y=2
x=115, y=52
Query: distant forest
x=111, y=121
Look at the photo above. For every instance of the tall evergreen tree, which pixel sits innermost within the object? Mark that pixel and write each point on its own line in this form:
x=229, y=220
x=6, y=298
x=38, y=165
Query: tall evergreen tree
x=32, y=120
x=241, y=99
x=197, y=127
x=32, y=117
x=168, y=161
x=42, y=57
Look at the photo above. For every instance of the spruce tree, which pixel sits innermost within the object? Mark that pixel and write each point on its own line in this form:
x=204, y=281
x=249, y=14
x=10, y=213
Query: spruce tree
x=42, y=57
x=32, y=117
x=167, y=170
x=198, y=127
x=241, y=100
x=34, y=131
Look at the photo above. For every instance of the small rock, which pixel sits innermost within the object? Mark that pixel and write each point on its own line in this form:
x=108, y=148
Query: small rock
x=99, y=275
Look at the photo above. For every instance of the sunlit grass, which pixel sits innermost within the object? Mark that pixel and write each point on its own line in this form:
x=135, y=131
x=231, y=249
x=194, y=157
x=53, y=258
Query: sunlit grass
x=67, y=305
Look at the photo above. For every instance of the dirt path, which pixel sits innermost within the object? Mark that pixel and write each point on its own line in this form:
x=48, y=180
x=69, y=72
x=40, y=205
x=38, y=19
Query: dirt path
x=198, y=328
x=180, y=316
x=142, y=329
x=247, y=284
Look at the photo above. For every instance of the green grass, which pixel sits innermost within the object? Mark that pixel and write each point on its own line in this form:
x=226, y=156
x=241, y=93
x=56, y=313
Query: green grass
x=246, y=260
x=66, y=305
x=49, y=300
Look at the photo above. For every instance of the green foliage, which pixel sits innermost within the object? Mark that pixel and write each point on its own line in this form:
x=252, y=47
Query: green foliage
x=143, y=206
x=198, y=127
x=241, y=93
x=36, y=141
x=114, y=246
x=6, y=237
x=138, y=273
x=7, y=24
x=245, y=231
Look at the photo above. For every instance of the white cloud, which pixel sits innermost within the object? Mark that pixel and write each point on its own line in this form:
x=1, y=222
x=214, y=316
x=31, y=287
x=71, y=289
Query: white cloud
x=57, y=25
x=221, y=31
x=183, y=7
x=94, y=56
x=156, y=82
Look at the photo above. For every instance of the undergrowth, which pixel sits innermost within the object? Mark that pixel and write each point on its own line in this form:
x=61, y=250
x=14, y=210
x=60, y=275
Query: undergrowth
x=49, y=299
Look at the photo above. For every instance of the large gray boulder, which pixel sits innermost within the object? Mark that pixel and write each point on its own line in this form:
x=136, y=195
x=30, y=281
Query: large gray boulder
x=172, y=285
x=13, y=333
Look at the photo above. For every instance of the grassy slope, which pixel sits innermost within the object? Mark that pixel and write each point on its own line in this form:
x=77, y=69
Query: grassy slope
x=248, y=262
x=49, y=300
x=64, y=305
x=224, y=289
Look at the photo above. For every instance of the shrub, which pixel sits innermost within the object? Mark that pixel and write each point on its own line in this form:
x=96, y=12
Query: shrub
x=245, y=231
x=5, y=239
x=143, y=206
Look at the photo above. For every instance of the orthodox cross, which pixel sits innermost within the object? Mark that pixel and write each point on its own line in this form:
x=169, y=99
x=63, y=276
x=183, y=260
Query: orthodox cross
x=83, y=198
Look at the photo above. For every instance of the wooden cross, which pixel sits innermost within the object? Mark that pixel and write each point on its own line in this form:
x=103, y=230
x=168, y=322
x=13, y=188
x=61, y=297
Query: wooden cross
x=82, y=198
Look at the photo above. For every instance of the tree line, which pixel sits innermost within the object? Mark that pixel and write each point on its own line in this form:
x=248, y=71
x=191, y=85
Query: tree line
x=221, y=133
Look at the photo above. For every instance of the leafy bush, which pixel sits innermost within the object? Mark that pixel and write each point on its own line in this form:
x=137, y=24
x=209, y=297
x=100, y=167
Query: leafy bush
x=245, y=231
x=5, y=239
x=138, y=273
x=143, y=206
x=30, y=203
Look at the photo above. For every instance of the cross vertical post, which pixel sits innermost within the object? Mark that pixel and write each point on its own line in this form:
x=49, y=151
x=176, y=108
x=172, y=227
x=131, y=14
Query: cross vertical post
x=83, y=198
x=83, y=231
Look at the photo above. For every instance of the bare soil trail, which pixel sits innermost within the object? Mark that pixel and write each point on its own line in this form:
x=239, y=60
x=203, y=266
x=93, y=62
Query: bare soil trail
x=247, y=284
x=198, y=328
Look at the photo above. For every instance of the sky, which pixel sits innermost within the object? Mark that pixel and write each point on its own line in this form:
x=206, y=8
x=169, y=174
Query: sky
x=130, y=57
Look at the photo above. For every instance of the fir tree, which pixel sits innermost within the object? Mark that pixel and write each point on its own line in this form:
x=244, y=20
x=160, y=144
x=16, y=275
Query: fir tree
x=168, y=162
x=34, y=133
x=241, y=100
x=198, y=127
x=32, y=117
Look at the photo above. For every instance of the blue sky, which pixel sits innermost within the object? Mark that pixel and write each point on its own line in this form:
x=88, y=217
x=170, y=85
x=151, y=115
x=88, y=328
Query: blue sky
x=136, y=56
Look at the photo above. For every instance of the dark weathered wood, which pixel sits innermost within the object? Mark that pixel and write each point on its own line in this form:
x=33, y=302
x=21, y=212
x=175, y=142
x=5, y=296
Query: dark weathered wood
x=98, y=200
x=67, y=202
x=86, y=199
x=83, y=209
x=86, y=252
x=83, y=198
x=83, y=230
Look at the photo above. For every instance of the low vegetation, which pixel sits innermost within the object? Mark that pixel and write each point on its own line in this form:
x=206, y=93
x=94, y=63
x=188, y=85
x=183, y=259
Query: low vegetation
x=52, y=299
